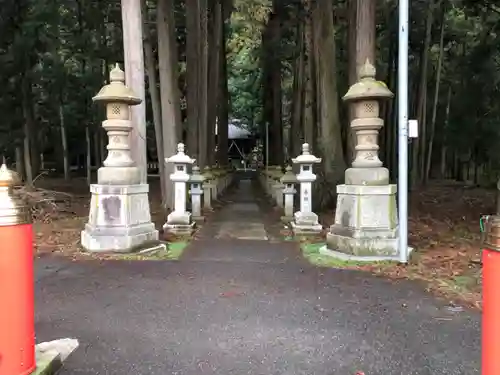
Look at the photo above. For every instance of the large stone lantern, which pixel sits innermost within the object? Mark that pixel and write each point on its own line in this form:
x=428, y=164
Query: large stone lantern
x=119, y=218
x=366, y=222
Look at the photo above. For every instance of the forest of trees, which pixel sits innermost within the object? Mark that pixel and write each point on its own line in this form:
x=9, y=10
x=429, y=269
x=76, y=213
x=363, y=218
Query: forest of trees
x=281, y=63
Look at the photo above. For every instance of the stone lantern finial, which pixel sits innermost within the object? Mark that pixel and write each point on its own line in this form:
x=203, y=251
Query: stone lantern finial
x=367, y=70
x=116, y=91
x=117, y=75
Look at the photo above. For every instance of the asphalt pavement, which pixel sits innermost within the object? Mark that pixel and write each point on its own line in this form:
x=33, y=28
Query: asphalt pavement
x=247, y=306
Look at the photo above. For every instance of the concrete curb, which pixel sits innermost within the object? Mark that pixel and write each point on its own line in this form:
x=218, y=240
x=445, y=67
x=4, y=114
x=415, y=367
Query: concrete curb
x=51, y=355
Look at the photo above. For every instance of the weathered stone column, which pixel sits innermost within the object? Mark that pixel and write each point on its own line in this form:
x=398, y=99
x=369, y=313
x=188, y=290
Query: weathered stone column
x=306, y=221
x=207, y=188
x=278, y=188
x=288, y=180
x=366, y=217
x=179, y=220
x=196, y=191
x=119, y=218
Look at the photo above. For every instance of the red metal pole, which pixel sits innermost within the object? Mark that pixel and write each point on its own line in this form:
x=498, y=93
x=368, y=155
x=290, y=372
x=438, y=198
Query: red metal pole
x=17, y=322
x=491, y=313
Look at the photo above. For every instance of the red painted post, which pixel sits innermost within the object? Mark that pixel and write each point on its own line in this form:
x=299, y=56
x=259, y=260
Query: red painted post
x=491, y=298
x=17, y=321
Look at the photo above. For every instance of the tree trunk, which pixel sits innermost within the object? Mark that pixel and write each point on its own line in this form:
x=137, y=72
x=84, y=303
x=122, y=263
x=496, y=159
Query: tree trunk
x=95, y=136
x=28, y=126
x=64, y=143
x=361, y=47
x=19, y=161
x=419, y=143
x=272, y=128
x=444, y=146
x=365, y=33
x=203, y=86
x=88, y=155
x=134, y=71
x=215, y=30
x=223, y=105
x=352, y=77
x=432, y=129
x=308, y=115
x=168, y=91
x=192, y=72
x=296, y=131
x=150, y=62
x=276, y=126
x=329, y=127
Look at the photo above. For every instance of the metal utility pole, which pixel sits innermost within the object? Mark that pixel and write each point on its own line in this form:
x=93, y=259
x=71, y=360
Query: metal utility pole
x=403, y=130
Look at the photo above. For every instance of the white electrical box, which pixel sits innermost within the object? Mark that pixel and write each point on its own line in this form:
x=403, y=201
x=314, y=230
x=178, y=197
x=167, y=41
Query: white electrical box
x=413, y=128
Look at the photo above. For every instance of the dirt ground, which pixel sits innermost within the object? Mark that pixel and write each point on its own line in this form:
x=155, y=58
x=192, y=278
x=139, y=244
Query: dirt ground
x=444, y=230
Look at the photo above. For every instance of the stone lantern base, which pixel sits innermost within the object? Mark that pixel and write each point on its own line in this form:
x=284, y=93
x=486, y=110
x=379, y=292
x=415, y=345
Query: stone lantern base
x=119, y=219
x=179, y=223
x=366, y=224
x=305, y=224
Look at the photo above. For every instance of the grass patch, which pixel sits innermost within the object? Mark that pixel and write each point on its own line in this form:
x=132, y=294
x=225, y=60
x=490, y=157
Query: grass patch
x=175, y=249
x=311, y=252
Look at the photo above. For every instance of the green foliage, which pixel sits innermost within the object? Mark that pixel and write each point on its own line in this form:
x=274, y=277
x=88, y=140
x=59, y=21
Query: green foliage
x=55, y=53
x=55, y=50
x=246, y=25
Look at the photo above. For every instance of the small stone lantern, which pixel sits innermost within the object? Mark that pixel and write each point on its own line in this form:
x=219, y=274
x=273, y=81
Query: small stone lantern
x=179, y=220
x=288, y=180
x=364, y=96
x=119, y=167
x=306, y=221
x=196, y=190
x=208, y=187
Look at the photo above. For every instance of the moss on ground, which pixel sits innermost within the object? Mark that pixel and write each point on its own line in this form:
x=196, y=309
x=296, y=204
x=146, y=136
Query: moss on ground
x=176, y=249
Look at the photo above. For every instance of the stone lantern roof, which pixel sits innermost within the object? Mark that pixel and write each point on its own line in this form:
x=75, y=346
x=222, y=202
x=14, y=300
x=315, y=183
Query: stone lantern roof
x=196, y=177
x=306, y=157
x=368, y=87
x=289, y=177
x=116, y=90
x=180, y=157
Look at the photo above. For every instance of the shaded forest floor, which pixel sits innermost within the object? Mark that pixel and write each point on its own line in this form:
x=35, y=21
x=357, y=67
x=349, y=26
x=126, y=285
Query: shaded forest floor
x=444, y=230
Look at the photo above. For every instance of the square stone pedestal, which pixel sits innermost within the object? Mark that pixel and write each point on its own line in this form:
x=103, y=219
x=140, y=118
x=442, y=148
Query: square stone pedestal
x=306, y=224
x=179, y=223
x=119, y=219
x=366, y=224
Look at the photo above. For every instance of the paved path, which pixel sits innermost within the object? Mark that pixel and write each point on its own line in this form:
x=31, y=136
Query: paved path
x=234, y=306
